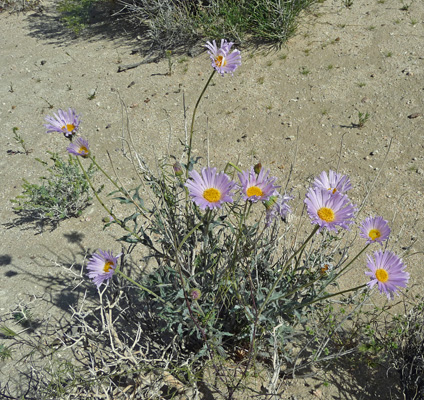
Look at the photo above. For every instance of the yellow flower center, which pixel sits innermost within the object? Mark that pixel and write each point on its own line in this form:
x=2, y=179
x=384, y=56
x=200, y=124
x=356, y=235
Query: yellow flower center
x=83, y=150
x=108, y=266
x=333, y=190
x=220, y=61
x=212, y=195
x=254, y=191
x=68, y=127
x=326, y=214
x=382, y=275
x=374, y=234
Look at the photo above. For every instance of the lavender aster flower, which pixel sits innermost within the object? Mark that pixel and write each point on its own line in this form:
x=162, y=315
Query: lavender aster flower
x=387, y=270
x=211, y=189
x=222, y=60
x=102, y=266
x=375, y=229
x=277, y=205
x=333, y=182
x=257, y=187
x=79, y=148
x=329, y=210
x=63, y=122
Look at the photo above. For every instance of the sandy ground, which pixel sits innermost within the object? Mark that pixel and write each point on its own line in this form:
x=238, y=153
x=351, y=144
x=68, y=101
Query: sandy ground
x=298, y=104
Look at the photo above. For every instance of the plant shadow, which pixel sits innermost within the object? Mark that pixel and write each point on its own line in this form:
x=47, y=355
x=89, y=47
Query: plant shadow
x=355, y=379
x=106, y=21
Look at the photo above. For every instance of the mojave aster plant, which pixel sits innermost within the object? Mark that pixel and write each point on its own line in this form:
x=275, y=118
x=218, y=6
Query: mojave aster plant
x=221, y=269
x=66, y=122
x=210, y=190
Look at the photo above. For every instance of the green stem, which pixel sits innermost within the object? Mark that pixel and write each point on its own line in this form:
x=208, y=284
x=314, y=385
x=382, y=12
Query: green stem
x=316, y=280
x=123, y=191
x=298, y=289
x=188, y=235
x=242, y=217
x=199, y=308
x=142, y=287
x=330, y=295
x=206, y=221
x=118, y=221
x=96, y=194
x=286, y=265
x=354, y=258
x=232, y=165
x=192, y=121
x=232, y=270
x=346, y=267
x=104, y=173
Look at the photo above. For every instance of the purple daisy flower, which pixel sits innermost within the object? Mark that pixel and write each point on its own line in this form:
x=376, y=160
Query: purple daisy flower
x=257, y=187
x=66, y=122
x=375, y=229
x=222, y=60
x=211, y=189
x=333, y=182
x=387, y=270
x=79, y=148
x=277, y=205
x=102, y=266
x=329, y=210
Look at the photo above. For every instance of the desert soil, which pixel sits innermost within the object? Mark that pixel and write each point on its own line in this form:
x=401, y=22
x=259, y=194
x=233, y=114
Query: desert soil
x=295, y=105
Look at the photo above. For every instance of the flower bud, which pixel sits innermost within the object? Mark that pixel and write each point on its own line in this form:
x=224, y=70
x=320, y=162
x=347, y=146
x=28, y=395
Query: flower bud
x=108, y=219
x=257, y=168
x=178, y=170
x=195, y=294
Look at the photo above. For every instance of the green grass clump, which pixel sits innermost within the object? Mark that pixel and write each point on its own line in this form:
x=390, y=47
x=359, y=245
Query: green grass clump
x=76, y=13
x=268, y=20
x=64, y=193
x=175, y=23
